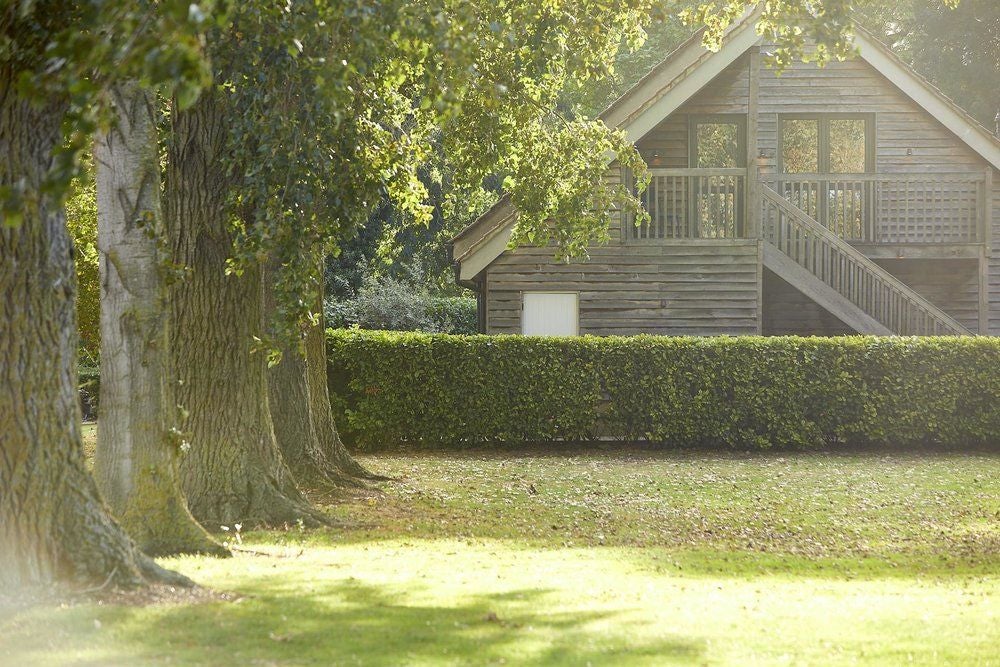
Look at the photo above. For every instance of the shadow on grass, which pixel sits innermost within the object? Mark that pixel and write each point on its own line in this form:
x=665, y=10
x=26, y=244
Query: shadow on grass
x=348, y=622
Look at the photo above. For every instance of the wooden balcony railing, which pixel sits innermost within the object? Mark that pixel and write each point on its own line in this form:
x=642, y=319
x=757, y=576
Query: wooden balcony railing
x=693, y=203
x=859, y=208
x=891, y=208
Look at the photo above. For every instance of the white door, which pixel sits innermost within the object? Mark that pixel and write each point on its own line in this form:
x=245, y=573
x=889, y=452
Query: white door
x=550, y=314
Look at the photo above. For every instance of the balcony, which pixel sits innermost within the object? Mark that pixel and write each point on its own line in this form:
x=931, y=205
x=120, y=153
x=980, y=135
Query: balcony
x=883, y=214
x=693, y=203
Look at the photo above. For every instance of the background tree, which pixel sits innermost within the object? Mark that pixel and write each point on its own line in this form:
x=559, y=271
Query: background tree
x=956, y=48
x=324, y=109
x=233, y=471
x=139, y=443
x=320, y=110
x=81, y=219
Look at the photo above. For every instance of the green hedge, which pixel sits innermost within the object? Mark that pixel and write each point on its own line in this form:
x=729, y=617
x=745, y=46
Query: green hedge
x=742, y=393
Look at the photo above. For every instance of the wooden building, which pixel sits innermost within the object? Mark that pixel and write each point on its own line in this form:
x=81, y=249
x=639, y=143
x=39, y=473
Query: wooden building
x=850, y=198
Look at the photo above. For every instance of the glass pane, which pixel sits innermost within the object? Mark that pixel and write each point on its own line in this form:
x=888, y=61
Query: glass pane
x=847, y=146
x=718, y=145
x=800, y=146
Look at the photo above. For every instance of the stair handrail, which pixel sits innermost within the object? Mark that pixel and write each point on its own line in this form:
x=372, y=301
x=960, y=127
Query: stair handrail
x=805, y=220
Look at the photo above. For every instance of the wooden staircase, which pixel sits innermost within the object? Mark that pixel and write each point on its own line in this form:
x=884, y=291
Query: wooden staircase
x=838, y=277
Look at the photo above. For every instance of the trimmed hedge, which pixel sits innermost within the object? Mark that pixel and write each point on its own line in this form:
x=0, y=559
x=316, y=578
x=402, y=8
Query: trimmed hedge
x=742, y=393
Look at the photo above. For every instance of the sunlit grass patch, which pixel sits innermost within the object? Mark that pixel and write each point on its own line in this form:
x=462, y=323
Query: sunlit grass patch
x=599, y=557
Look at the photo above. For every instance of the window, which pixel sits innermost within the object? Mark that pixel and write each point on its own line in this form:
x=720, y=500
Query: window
x=833, y=147
x=717, y=142
x=550, y=314
x=827, y=144
x=848, y=146
x=800, y=145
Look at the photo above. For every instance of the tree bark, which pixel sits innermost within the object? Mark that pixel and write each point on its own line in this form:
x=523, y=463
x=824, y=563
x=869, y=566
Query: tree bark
x=314, y=462
x=53, y=524
x=234, y=472
x=330, y=444
x=139, y=443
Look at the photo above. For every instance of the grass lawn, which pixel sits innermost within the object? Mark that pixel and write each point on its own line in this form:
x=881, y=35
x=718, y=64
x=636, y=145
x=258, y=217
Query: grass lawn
x=601, y=557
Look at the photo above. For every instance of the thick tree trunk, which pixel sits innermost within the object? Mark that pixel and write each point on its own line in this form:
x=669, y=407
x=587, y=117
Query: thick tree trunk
x=53, y=524
x=234, y=472
x=293, y=426
x=139, y=443
x=293, y=410
x=330, y=444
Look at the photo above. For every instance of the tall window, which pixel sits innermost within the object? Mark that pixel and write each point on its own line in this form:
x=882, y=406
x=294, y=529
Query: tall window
x=839, y=149
x=827, y=144
x=800, y=145
x=718, y=142
x=715, y=199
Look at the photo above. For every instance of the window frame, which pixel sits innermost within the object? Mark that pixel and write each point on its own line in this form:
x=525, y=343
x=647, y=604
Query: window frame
x=737, y=119
x=823, y=140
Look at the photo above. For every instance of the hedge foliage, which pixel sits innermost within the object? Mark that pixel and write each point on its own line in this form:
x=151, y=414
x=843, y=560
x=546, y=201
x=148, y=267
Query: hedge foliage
x=741, y=393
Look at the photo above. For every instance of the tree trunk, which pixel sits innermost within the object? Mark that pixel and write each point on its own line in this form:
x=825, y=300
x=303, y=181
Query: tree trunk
x=138, y=444
x=53, y=524
x=329, y=440
x=234, y=472
x=292, y=410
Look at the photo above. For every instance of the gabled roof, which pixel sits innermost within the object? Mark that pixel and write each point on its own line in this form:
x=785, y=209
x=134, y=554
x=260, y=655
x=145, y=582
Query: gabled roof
x=676, y=80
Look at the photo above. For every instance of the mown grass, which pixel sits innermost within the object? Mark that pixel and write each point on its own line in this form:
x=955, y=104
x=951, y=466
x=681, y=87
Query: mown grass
x=601, y=557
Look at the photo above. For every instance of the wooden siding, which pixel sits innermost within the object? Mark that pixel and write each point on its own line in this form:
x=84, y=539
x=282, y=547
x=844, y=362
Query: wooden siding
x=907, y=140
x=719, y=287
x=667, y=145
x=788, y=312
x=994, y=260
x=951, y=285
x=853, y=86
x=676, y=288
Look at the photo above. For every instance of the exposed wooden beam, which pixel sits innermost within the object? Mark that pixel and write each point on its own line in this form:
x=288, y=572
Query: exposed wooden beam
x=985, y=254
x=753, y=128
x=918, y=251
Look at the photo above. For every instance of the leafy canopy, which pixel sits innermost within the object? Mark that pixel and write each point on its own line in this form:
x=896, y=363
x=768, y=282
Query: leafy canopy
x=68, y=54
x=335, y=106
x=340, y=105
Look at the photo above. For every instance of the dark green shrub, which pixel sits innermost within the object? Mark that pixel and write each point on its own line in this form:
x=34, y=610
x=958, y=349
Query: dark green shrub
x=453, y=314
x=393, y=305
x=743, y=393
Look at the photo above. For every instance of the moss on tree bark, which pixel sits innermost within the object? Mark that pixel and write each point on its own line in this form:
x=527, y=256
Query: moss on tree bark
x=54, y=526
x=234, y=472
x=139, y=443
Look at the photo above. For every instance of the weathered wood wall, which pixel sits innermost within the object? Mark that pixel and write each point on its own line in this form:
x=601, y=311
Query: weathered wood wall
x=907, y=140
x=710, y=287
x=851, y=86
x=684, y=287
x=994, y=260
